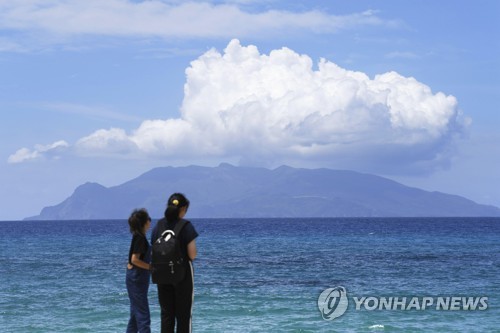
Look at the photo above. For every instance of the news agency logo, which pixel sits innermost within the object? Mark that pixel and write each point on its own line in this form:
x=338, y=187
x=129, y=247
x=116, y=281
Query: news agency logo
x=333, y=303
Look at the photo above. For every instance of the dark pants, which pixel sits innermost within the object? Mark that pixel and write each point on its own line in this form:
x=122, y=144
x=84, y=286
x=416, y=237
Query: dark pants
x=137, y=281
x=176, y=303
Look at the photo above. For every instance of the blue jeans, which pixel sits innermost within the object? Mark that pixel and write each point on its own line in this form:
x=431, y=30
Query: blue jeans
x=137, y=281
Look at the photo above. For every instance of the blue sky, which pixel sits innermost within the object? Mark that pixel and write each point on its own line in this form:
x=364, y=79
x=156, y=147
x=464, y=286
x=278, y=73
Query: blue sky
x=104, y=90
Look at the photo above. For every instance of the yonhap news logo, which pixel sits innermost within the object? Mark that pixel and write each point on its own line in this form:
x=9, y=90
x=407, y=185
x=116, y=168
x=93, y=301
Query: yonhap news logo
x=333, y=303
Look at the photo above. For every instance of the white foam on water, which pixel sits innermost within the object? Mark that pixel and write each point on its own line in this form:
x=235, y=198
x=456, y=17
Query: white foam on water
x=378, y=326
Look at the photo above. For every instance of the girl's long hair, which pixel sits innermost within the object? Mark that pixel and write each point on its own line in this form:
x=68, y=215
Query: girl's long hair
x=174, y=204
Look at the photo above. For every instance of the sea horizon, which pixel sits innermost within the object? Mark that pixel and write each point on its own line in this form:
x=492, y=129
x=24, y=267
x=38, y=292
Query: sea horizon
x=28, y=219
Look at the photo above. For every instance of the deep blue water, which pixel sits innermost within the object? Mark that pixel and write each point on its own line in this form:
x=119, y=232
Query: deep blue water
x=257, y=275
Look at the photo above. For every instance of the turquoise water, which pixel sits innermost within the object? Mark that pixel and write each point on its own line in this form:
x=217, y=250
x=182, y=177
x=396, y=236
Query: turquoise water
x=257, y=275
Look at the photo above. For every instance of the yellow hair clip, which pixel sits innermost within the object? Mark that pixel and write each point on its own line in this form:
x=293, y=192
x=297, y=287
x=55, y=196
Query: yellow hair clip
x=175, y=202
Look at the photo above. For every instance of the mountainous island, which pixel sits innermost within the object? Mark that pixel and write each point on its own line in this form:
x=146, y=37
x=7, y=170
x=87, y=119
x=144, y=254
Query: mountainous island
x=227, y=191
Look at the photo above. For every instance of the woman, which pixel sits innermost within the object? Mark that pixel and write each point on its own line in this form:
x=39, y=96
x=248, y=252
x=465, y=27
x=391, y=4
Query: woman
x=137, y=277
x=176, y=301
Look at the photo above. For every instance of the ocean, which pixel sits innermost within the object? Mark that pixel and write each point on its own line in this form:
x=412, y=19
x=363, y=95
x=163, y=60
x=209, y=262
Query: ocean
x=264, y=275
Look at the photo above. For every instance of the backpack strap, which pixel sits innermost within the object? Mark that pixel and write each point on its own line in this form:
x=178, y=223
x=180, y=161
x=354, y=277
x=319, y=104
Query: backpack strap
x=178, y=227
x=161, y=226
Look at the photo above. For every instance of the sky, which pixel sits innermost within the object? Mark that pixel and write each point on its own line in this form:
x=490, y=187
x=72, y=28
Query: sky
x=105, y=90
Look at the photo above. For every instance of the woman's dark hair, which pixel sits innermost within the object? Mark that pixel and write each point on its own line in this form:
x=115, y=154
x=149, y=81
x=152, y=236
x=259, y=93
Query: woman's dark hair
x=138, y=220
x=174, y=205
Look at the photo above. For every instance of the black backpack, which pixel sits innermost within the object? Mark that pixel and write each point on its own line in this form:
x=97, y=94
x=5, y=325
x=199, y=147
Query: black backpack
x=168, y=263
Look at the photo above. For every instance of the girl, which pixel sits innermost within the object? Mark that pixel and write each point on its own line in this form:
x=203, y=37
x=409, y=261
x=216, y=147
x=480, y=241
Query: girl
x=137, y=278
x=176, y=301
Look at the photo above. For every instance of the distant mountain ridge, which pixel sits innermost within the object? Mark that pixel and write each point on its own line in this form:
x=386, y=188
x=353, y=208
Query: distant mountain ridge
x=227, y=191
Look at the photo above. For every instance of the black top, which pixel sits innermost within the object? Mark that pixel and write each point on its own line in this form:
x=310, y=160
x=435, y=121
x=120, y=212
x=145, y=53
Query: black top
x=139, y=245
x=188, y=233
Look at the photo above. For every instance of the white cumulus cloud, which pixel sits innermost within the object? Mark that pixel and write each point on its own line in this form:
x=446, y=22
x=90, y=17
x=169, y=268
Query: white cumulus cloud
x=278, y=108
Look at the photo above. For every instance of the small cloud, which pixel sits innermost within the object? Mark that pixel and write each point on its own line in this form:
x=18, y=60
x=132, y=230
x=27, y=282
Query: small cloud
x=113, y=141
x=39, y=151
x=22, y=155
